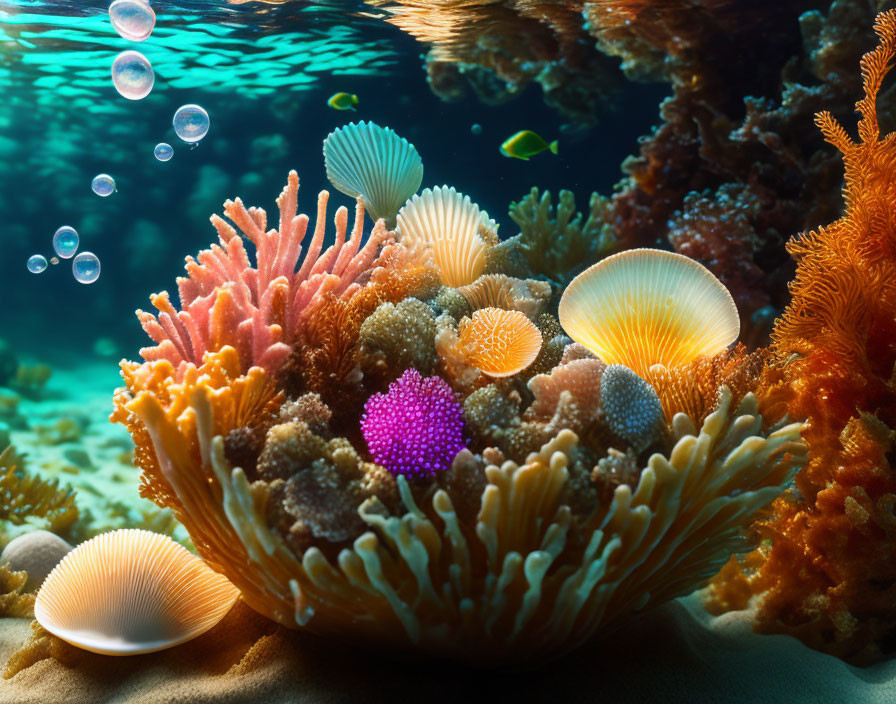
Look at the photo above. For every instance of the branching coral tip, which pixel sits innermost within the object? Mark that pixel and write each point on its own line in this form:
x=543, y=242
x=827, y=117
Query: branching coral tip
x=416, y=428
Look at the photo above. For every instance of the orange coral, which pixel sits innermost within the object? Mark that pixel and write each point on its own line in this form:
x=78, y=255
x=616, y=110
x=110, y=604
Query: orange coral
x=693, y=388
x=160, y=411
x=829, y=576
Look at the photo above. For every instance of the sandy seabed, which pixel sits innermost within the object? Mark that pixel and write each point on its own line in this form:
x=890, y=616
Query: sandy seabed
x=676, y=653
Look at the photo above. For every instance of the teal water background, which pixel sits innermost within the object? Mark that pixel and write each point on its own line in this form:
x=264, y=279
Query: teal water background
x=264, y=73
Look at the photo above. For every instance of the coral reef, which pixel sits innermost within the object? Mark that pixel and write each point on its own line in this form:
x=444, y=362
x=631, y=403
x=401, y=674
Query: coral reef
x=558, y=241
x=825, y=571
x=486, y=518
x=25, y=496
x=498, y=47
x=726, y=178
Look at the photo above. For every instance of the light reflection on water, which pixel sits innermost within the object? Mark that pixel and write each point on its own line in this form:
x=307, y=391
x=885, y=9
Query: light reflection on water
x=65, y=48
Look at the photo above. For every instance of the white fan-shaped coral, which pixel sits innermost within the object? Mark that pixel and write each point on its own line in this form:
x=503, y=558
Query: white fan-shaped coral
x=132, y=591
x=646, y=306
x=451, y=224
x=373, y=163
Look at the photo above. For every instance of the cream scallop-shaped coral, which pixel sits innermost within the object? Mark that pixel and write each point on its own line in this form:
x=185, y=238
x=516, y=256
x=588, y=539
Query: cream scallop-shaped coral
x=646, y=306
x=129, y=592
x=499, y=342
x=451, y=224
x=366, y=161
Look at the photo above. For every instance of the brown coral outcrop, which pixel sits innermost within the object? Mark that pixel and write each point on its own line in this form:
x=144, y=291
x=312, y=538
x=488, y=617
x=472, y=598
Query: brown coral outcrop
x=829, y=574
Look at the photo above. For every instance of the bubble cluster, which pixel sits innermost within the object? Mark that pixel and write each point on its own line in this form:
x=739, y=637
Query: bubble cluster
x=36, y=263
x=103, y=185
x=132, y=19
x=86, y=267
x=65, y=242
x=163, y=151
x=191, y=122
x=132, y=75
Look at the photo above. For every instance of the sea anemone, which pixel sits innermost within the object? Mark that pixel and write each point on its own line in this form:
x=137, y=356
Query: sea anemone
x=416, y=428
x=499, y=342
x=454, y=227
x=645, y=306
x=129, y=592
x=370, y=162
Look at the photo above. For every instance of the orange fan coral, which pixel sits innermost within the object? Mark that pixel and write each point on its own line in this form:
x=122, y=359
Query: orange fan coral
x=829, y=576
x=693, y=388
x=258, y=310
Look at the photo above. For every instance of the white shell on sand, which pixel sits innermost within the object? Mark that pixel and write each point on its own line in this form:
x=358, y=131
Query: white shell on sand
x=132, y=591
x=36, y=552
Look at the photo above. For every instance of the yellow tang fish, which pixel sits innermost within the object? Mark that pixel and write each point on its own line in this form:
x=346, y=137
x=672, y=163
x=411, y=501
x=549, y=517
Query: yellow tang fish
x=526, y=143
x=343, y=101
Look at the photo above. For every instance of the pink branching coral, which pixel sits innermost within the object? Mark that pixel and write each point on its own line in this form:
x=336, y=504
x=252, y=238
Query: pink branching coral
x=415, y=429
x=258, y=310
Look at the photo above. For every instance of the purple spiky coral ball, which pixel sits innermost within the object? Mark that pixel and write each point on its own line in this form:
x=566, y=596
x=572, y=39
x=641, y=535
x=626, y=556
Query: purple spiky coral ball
x=416, y=428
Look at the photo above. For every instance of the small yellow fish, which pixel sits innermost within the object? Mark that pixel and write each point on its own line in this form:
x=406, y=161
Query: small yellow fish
x=343, y=101
x=526, y=143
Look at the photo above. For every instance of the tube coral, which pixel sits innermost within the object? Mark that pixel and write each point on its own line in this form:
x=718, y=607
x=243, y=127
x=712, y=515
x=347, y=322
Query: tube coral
x=828, y=573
